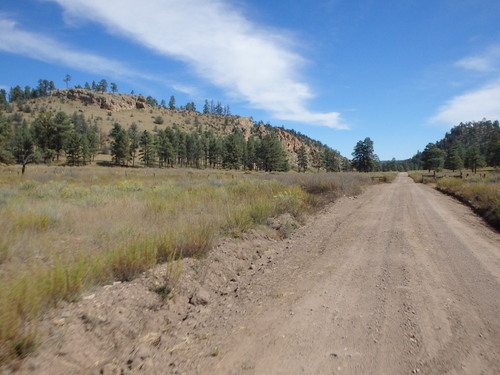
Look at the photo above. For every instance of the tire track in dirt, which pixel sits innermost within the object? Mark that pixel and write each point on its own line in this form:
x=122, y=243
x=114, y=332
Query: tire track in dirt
x=409, y=292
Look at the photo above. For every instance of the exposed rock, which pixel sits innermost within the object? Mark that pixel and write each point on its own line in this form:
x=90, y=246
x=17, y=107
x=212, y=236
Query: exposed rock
x=200, y=297
x=108, y=101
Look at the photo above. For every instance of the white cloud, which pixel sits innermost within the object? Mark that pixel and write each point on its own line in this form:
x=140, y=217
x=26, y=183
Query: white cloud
x=472, y=106
x=39, y=47
x=43, y=48
x=250, y=62
x=489, y=61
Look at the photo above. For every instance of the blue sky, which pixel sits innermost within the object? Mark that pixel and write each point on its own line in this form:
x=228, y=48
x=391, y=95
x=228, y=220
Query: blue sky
x=402, y=72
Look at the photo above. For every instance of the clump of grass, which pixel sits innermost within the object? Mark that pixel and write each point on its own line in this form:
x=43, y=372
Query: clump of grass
x=132, y=258
x=417, y=177
x=215, y=351
x=171, y=279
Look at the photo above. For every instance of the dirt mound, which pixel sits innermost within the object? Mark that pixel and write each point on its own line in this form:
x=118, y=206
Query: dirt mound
x=124, y=327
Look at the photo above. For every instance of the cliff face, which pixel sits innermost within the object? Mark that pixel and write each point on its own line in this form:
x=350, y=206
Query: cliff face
x=108, y=101
x=291, y=144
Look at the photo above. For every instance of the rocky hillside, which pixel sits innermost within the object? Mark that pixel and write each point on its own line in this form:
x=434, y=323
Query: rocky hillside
x=105, y=109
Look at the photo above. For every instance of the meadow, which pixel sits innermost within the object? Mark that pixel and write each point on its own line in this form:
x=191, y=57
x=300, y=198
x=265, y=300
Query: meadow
x=68, y=229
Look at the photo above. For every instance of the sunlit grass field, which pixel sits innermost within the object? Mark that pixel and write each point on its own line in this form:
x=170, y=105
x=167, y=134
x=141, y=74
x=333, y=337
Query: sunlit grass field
x=66, y=229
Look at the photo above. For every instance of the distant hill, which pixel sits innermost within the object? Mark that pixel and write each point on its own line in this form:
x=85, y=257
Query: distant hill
x=478, y=134
x=104, y=109
x=474, y=144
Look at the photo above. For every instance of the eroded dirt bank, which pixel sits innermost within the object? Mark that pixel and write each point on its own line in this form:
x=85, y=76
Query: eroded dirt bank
x=400, y=280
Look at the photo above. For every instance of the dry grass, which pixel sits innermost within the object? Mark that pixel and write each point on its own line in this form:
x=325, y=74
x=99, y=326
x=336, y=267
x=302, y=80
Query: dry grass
x=67, y=229
x=481, y=193
x=144, y=118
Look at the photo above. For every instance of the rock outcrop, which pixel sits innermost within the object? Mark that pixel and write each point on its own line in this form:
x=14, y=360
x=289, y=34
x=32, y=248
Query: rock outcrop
x=108, y=101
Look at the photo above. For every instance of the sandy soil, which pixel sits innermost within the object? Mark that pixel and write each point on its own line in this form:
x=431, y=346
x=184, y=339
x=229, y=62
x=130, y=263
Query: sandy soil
x=399, y=280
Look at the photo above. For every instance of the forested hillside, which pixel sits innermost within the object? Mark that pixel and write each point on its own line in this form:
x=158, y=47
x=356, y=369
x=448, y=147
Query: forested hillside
x=72, y=126
x=469, y=145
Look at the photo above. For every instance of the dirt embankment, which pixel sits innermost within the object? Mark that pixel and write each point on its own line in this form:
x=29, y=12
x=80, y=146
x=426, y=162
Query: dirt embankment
x=400, y=280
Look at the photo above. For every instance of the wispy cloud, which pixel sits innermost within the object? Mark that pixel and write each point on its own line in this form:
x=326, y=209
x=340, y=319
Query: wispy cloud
x=248, y=61
x=478, y=103
x=488, y=61
x=39, y=47
x=471, y=106
x=15, y=40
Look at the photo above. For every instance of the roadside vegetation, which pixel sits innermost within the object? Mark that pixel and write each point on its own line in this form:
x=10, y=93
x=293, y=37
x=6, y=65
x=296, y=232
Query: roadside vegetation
x=68, y=229
x=480, y=191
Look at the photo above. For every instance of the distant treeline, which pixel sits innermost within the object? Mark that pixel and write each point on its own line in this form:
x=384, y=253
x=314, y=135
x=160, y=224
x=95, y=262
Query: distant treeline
x=469, y=145
x=52, y=135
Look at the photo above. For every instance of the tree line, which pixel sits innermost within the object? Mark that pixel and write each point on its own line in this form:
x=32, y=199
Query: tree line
x=47, y=138
x=171, y=147
x=470, y=145
x=52, y=135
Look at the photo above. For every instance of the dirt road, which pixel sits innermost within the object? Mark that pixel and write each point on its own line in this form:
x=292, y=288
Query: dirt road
x=403, y=281
x=400, y=280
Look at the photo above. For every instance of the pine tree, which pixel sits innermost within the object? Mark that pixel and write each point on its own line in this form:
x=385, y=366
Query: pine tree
x=474, y=159
x=432, y=157
x=67, y=78
x=133, y=135
x=330, y=161
x=166, y=154
x=364, y=158
x=493, y=151
x=302, y=158
x=214, y=152
x=102, y=86
x=74, y=148
x=6, y=133
x=120, y=146
x=233, y=151
x=271, y=155
x=23, y=145
x=453, y=160
x=250, y=154
x=147, y=149
x=171, y=103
